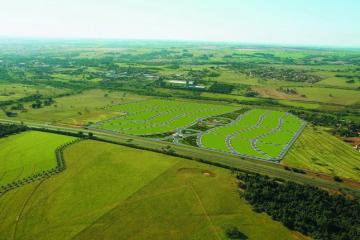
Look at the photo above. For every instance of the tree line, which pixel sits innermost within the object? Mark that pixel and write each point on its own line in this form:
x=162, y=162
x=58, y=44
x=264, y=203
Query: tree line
x=303, y=208
x=9, y=129
x=340, y=126
x=60, y=166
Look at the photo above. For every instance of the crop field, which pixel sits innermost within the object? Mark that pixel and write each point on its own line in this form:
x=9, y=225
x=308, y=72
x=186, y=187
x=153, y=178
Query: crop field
x=115, y=192
x=319, y=151
x=28, y=153
x=160, y=116
x=258, y=134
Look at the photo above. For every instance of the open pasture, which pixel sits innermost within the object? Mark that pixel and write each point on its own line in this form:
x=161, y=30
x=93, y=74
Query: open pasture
x=9, y=92
x=28, y=153
x=79, y=109
x=115, y=192
x=313, y=95
x=160, y=116
x=258, y=134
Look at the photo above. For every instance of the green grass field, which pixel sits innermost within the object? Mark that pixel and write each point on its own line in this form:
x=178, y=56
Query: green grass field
x=28, y=153
x=80, y=109
x=160, y=116
x=257, y=133
x=319, y=151
x=17, y=91
x=282, y=101
x=115, y=192
x=313, y=94
x=300, y=104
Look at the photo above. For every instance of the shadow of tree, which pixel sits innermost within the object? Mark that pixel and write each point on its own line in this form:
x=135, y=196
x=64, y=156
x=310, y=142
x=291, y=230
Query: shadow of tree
x=235, y=234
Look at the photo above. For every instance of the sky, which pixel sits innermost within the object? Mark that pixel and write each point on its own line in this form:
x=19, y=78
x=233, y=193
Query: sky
x=296, y=22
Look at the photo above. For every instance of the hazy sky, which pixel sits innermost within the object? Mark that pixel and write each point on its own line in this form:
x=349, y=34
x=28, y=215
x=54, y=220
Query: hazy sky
x=315, y=22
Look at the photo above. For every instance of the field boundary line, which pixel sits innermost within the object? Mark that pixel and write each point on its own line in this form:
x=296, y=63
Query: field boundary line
x=23, y=208
x=204, y=210
x=127, y=199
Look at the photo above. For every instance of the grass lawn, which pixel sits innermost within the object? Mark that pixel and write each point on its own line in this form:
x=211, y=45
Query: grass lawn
x=115, y=192
x=27, y=153
x=317, y=150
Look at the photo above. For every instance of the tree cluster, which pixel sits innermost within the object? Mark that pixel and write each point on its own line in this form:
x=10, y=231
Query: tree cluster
x=303, y=208
x=251, y=93
x=221, y=88
x=341, y=127
x=9, y=129
x=38, y=103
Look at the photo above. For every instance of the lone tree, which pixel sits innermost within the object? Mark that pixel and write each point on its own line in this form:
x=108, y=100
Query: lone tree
x=91, y=135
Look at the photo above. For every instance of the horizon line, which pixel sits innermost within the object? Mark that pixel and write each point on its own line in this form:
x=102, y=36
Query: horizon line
x=223, y=42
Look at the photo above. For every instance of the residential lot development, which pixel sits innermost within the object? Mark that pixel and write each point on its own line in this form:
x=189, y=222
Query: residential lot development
x=257, y=133
x=160, y=116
